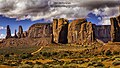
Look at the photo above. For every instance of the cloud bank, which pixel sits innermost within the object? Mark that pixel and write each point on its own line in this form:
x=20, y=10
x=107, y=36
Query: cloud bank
x=37, y=9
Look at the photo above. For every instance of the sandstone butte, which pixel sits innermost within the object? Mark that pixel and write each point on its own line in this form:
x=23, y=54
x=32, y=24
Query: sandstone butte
x=79, y=31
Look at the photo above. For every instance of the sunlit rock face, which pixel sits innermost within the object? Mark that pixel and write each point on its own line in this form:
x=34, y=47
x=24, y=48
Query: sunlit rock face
x=40, y=30
x=60, y=30
x=81, y=32
x=20, y=32
x=115, y=29
x=102, y=32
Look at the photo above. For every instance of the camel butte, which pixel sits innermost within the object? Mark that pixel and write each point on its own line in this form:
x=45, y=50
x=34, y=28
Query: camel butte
x=63, y=44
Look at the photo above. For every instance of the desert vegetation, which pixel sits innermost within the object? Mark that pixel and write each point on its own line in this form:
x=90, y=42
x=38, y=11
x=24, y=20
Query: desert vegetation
x=60, y=55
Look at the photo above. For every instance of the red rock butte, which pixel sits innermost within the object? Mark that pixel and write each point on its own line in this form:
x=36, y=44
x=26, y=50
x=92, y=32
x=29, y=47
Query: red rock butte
x=78, y=31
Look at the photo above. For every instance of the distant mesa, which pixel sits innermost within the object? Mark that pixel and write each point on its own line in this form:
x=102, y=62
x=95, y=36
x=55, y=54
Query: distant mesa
x=78, y=31
x=40, y=30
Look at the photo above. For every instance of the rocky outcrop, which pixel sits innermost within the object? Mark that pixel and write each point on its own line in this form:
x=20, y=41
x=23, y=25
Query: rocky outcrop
x=81, y=32
x=87, y=35
x=20, y=33
x=8, y=32
x=40, y=30
x=15, y=35
x=102, y=32
x=25, y=33
x=60, y=30
x=115, y=29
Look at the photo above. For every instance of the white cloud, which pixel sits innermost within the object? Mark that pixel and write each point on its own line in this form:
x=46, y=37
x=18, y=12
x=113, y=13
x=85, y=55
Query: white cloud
x=106, y=13
x=37, y=9
x=12, y=34
x=2, y=36
x=2, y=28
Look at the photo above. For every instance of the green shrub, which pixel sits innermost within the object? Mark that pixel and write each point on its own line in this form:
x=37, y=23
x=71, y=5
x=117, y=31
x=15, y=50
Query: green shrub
x=7, y=55
x=116, y=63
x=102, y=52
x=46, y=54
x=54, y=53
x=38, y=62
x=99, y=64
x=26, y=55
x=77, y=61
x=103, y=59
x=108, y=53
x=95, y=64
x=115, y=53
x=30, y=63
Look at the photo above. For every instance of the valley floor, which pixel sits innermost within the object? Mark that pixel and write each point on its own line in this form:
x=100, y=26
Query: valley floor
x=61, y=56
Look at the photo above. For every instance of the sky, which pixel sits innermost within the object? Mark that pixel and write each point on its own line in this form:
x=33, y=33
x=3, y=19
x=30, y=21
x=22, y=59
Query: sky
x=28, y=12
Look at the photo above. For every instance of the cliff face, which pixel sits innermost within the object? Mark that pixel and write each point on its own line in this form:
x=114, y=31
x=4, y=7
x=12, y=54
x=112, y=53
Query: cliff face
x=115, y=29
x=60, y=30
x=80, y=32
x=39, y=30
x=102, y=32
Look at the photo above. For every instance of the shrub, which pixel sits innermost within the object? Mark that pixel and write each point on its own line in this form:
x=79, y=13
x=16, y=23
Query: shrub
x=102, y=52
x=115, y=53
x=103, y=59
x=24, y=55
x=38, y=62
x=7, y=55
x=14, y=64
x=95, y=64
x=108, y=53
x=30, y=63
x=99, y=64
x=77, y=61
x=12, y=53
x=46, y=54
x=54, y=53
x=116, y=63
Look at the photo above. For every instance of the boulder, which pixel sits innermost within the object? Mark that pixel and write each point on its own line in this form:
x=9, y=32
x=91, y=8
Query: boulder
x=60, y=30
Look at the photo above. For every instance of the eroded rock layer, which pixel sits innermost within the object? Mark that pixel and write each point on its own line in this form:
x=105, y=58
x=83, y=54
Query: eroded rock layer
x=40, y=30
x=115, y=29
x=20, y=32
x=60, y=30
x=102, y=32
x=81, y=32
